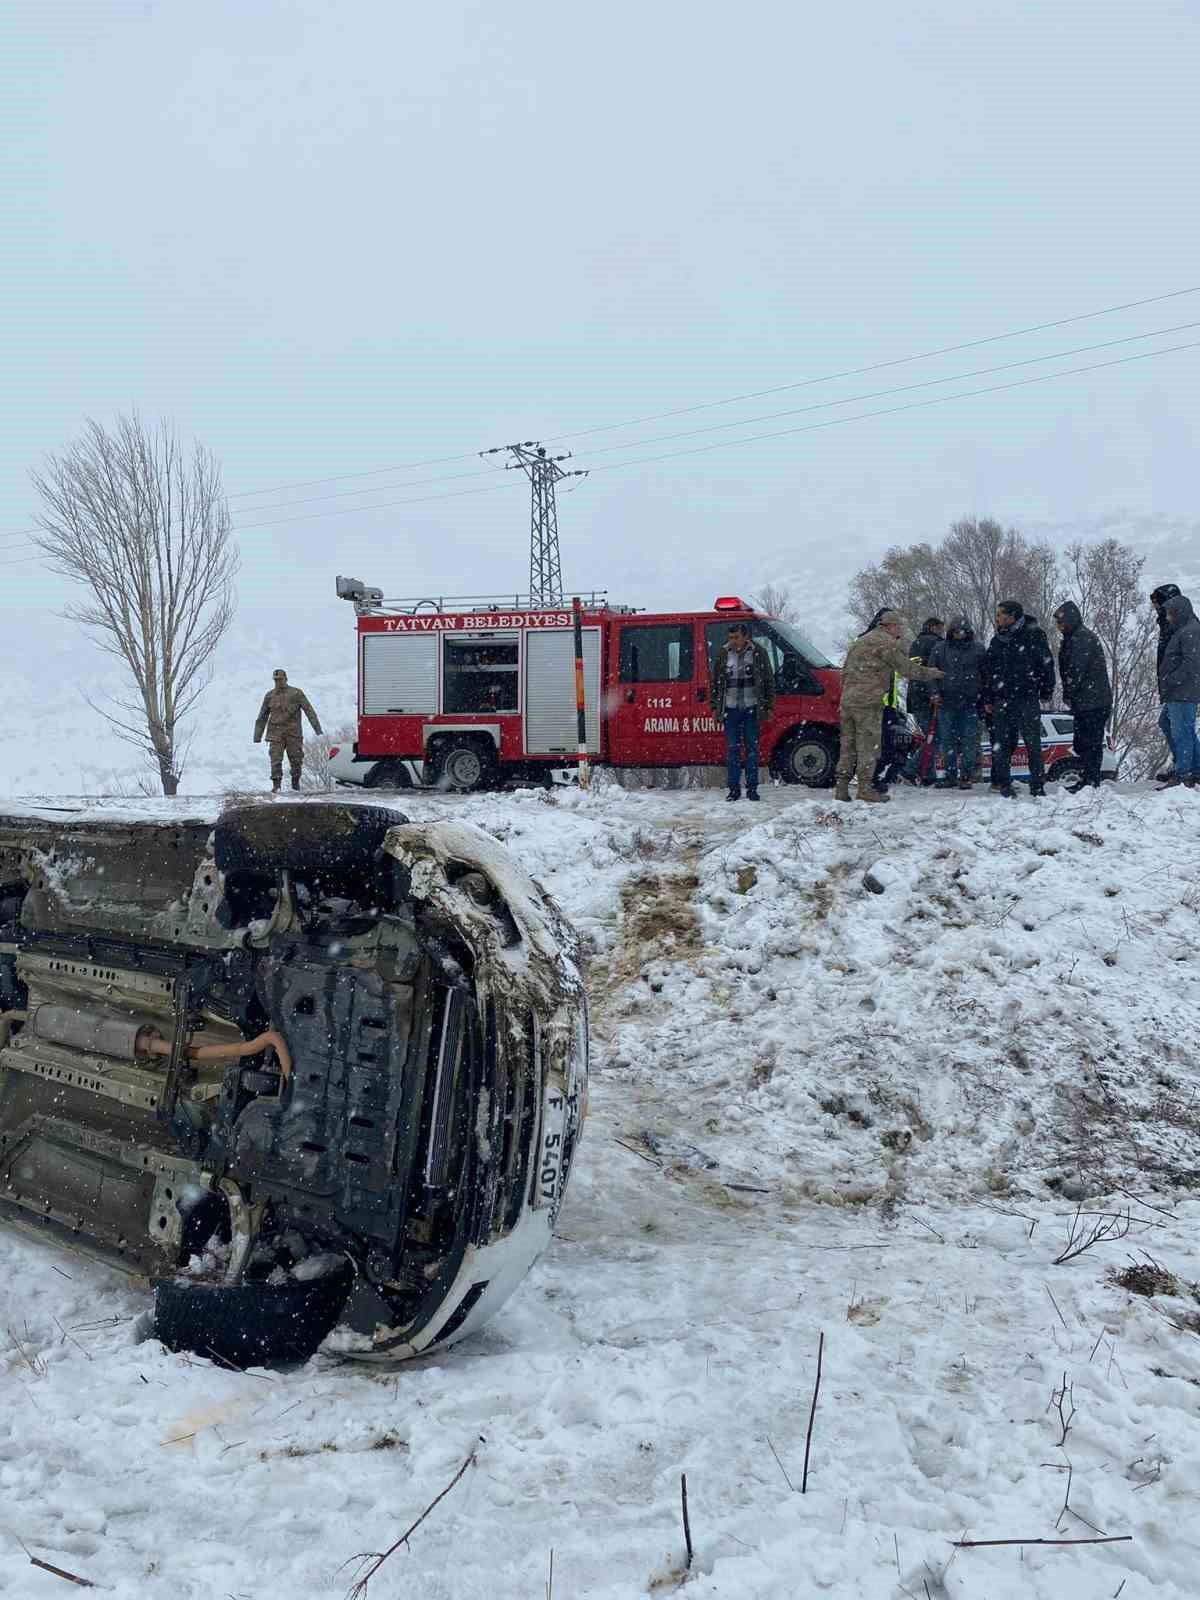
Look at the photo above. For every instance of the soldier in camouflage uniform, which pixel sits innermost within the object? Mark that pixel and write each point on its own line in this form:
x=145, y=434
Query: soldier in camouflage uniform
x=279, y=718
x=870, y=662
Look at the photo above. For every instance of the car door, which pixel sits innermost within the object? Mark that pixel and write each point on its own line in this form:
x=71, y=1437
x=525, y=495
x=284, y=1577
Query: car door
x=653, y=702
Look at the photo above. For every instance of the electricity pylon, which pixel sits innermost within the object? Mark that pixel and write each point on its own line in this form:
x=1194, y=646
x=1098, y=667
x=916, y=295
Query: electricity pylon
x=544, y=471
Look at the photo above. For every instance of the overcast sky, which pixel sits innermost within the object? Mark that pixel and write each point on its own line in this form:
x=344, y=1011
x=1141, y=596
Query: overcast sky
x=331, y=238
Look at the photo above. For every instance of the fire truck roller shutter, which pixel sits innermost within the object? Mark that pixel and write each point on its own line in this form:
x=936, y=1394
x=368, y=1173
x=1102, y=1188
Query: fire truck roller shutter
x=551, y=726
x=399, y=673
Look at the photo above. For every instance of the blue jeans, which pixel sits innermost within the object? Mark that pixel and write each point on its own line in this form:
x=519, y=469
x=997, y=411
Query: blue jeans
x=958, y=740
x=741, y=724
x=1181, y=731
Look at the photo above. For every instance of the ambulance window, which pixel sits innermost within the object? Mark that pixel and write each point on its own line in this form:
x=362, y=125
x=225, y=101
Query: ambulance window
x=653, y=652
x=479, y=676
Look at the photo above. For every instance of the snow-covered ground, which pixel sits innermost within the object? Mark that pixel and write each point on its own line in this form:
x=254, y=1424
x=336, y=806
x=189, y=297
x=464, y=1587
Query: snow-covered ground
x=854, y=1071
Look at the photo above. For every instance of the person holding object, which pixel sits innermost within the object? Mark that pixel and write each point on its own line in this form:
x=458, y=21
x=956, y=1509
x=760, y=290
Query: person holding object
x=956, y=700
x=279, y=718
x=1179, y=688
x=870, y=662
x=1020, y=675
x=742, y=687
x=1083, y=673
x=920, y=702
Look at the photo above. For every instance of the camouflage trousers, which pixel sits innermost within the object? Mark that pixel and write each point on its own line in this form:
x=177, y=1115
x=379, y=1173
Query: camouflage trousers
x=862, y=736
x=293, y=745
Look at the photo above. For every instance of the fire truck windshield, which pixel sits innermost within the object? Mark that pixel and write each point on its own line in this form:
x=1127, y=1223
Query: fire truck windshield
x=791, y=655
x=799, y=640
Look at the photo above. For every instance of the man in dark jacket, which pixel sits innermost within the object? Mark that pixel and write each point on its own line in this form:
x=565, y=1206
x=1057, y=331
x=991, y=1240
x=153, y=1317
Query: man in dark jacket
x=742, y=691
x=1158, y=599
x=1020, y=673
x=1083, y=673
x=933, y=631
x=919, y=703
x=1179, y=687
x=957, y=698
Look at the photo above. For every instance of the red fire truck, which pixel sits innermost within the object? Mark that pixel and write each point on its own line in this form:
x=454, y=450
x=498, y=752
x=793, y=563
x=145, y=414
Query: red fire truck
x=470, y=690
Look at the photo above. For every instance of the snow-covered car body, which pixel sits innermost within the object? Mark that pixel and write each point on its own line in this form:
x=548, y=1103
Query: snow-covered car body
x=347, y=767
x=308, y=1042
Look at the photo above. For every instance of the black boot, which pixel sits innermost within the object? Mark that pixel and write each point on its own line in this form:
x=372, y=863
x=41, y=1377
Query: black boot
x=734, y=794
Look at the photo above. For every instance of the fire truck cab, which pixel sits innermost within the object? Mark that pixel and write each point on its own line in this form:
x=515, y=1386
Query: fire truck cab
x=470, y=691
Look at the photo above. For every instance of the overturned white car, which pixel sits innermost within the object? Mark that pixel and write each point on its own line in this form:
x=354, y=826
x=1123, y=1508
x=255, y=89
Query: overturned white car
x=309, y=1068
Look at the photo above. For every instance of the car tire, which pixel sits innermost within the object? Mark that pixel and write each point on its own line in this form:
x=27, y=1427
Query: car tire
x=807, y=758
x=388, y=775
x=464, y=765
x=1065, y=771
x=247, y=1324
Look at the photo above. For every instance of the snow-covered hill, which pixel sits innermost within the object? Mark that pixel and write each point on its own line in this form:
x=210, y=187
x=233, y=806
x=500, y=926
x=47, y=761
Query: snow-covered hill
x=855, y=1072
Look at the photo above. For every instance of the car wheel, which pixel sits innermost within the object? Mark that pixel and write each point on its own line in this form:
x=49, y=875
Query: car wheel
x=464, y=764
x=247, y=1324
x=388, y=775
x=808, y=758
x=1065, y=770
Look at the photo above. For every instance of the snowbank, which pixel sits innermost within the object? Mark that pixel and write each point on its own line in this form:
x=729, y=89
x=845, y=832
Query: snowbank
x=867, y=1109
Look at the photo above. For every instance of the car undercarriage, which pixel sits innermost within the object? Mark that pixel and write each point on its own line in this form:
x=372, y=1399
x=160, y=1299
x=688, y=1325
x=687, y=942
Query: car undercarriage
x=311, y=1069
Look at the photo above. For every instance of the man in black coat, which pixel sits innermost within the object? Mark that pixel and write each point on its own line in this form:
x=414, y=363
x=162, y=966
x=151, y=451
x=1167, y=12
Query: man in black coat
x=919, y=701
x=1083, y=673
x=957, y=698
x=1020, y=675
x=1158, y=599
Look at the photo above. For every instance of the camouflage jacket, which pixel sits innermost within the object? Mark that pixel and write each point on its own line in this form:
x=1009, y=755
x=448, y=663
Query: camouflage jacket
x=870, y=663
x=279, y=714
x=764, y=681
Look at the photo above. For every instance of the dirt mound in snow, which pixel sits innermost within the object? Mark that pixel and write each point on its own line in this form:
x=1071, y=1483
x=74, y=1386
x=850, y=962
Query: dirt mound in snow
x=955, y=997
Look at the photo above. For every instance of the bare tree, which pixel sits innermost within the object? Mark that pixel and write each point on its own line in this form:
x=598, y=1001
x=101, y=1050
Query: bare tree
x=1106, y=584
x=978, y=564
x=142, y=524
x=775, y=600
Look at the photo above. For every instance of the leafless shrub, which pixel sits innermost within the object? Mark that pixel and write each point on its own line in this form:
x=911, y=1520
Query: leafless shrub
x=143, y=526
x=1091, y=1229
x=317, y=775
x=1062, y=1400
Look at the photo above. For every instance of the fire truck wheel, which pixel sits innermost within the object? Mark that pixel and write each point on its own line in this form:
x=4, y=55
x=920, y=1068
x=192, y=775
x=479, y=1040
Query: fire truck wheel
x=807, y=758
x=464, y=764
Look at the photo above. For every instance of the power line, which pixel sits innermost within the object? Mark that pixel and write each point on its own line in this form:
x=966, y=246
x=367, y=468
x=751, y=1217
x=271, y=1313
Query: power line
x=845, y=400
x=888, y=411
x=344, y=477
x=904, y=388
x=311, y=516
x=388, y=505
x=754, y=394
x=343, y=494
x=707, y=405
x=875, y=366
